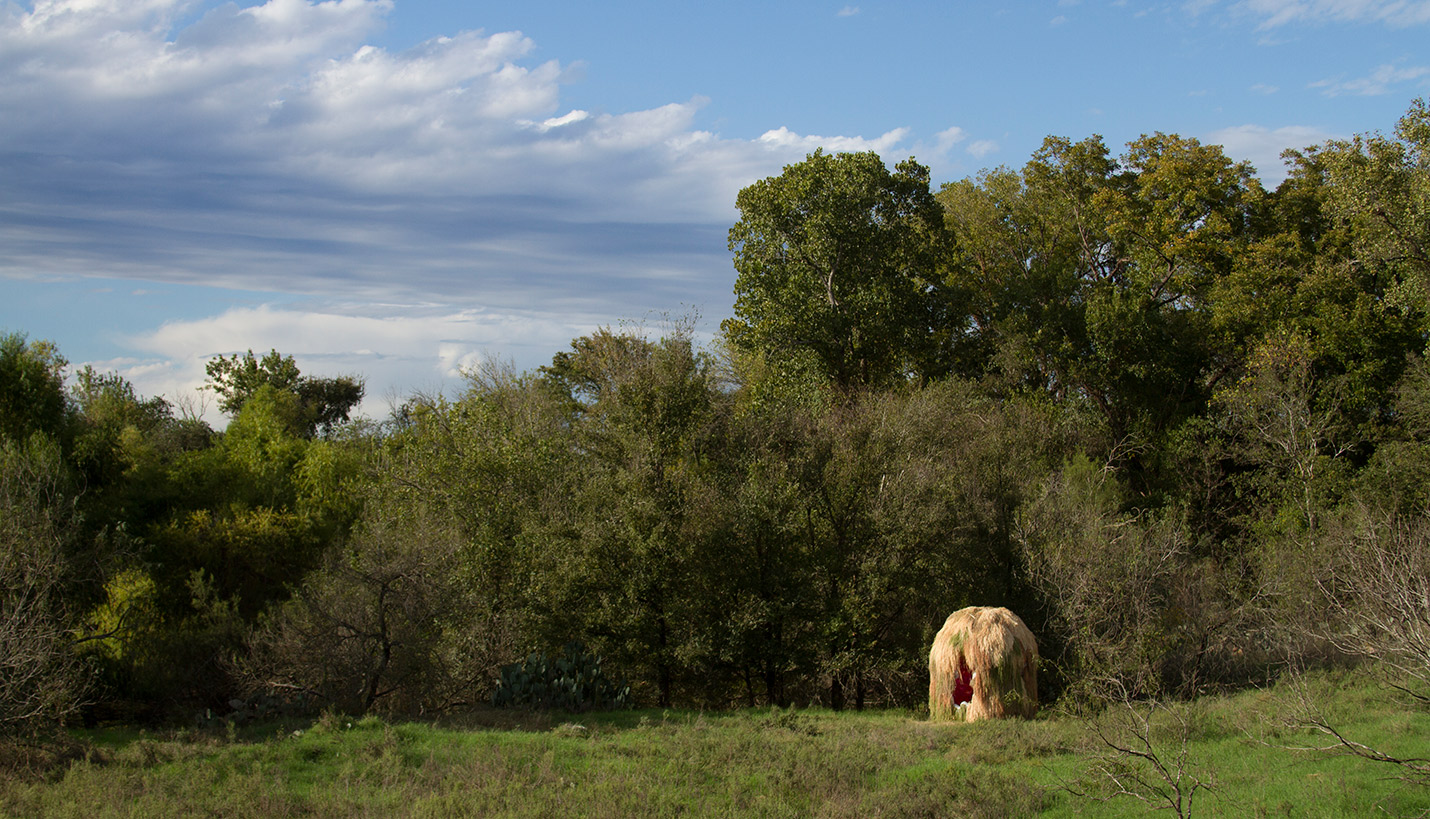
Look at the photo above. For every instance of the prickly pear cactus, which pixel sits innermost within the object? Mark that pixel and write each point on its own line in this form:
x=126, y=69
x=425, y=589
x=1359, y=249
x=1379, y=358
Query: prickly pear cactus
x=570, y=681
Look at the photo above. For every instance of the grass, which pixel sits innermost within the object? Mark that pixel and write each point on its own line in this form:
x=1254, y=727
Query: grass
x=769, y=763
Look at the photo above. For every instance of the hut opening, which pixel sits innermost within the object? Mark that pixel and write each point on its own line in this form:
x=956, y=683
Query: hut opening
x=983, y=665
x=963, y=686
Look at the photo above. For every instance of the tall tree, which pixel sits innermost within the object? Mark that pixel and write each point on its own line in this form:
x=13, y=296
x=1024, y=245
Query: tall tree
x=1031, y=246
x=1381, y=185
x=1089, y=278
x=647, y=519
x=837, y=259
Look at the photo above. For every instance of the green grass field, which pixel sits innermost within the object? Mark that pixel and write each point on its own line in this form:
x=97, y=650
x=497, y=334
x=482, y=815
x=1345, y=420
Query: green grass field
x=749, y=763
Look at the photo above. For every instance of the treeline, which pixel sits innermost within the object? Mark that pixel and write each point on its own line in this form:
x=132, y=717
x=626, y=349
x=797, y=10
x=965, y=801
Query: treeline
x=1179, y=422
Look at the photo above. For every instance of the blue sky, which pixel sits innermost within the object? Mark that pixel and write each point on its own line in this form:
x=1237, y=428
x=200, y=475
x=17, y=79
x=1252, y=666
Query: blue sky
x=400, y=189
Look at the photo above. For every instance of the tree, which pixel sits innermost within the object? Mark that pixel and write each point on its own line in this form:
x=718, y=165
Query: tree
x=323, y=403
x=1307, y=341
x=1179, y=216
x=837, y=259
x=1092, y=280
x=1031, y=246
x=1381, y=185
x=32, y=392
x=114, y=430
x=1129, y=609
x=225, y=531
x=647, y=511
x=385, y=623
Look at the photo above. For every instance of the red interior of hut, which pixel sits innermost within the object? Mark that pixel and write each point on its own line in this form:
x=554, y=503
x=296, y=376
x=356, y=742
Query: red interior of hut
x=963, y=686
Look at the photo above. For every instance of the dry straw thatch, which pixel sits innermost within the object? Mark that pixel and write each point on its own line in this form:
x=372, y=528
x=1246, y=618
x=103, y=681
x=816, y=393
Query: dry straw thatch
x=983, y=665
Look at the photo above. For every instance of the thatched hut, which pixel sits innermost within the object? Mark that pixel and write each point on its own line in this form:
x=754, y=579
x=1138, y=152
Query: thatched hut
x=983, y=665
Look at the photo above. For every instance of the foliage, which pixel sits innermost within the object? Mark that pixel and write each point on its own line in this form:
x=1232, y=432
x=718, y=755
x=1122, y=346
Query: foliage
x=646, y=513
x=839, y=255
x=320, y=404
x=1163, y=413
x=1381, y=186
x=32, y=395
x=1090, y=278
x=1130, y=608
x=383, y=624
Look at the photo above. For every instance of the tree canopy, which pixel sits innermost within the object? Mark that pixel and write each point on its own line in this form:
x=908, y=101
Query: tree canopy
x=322, y=403
x=838, y=258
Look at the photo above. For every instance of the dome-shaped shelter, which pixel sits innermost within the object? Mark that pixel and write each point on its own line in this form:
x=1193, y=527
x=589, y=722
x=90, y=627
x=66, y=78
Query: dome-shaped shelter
x=983, y=665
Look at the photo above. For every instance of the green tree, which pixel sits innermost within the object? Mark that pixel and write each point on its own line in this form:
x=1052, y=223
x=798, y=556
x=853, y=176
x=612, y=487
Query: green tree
x=1381, y=185
x=32, y=391
x=385, y=623
x=226, y=531
x=1310, y=341
x=115, y=430
x=1179, y=216
x=323, y=403
x=647, y=511
x=1090, y=279
x=837, y=258
x=1031, y=246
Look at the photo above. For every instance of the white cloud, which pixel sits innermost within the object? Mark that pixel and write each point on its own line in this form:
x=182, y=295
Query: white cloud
x=1395, y=13
x=848, y=11
x=1262, y=146
x=783, y=137
x=424, y=349
x=936, y=154
x=575, y=115
x=1379, y=82
x=947, y=138
x=982, y=148
x=269, y=147
x=1264, y=89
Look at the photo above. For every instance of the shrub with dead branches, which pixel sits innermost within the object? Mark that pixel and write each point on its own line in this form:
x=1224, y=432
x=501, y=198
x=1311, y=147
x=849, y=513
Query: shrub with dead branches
x=40, y=677
x=1143, y=753
x=1377, y=596
x=1129, y=606
x=385, y=624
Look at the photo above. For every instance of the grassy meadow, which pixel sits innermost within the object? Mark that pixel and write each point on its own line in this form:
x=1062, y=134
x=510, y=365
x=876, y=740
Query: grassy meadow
x=757, y=762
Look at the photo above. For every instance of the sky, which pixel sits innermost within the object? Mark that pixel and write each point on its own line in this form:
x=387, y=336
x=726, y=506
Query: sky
x=401, y=190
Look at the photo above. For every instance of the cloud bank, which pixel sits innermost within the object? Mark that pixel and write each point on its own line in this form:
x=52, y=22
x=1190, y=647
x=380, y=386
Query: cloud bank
x=270, y=148
x=418, y=209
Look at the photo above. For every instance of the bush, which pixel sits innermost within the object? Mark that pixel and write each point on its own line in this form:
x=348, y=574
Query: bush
x=385, y=624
